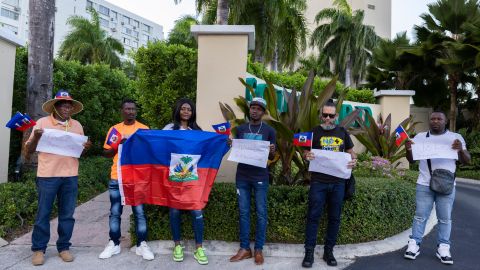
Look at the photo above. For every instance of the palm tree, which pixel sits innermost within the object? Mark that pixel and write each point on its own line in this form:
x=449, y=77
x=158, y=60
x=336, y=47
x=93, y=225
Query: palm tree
x=180, y=33
x=220, y=8
x=345, y=40
x=89, y=43
x=444, y=25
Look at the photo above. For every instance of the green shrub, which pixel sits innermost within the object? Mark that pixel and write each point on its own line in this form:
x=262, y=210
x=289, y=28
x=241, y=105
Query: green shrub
x=470, y=174
x=165, y=74
x=472, y=139
x=382, y=207
x=18, y=201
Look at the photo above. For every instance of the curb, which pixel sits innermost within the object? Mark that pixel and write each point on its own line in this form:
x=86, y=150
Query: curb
x=350, y=251
x=468, y=181
x=3, y=242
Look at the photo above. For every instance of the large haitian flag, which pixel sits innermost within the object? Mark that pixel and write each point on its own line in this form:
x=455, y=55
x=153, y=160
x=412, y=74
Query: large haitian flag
x=174, y=168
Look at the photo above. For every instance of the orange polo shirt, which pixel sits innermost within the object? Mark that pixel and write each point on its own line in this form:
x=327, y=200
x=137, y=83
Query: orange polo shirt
x=125, y=131
x=52, y=165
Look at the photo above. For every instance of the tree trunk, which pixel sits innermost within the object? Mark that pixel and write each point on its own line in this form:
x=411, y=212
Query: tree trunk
x=348, y=73
x=40, y=57
x=274, y=63
x=452, y=84
x=222, y=12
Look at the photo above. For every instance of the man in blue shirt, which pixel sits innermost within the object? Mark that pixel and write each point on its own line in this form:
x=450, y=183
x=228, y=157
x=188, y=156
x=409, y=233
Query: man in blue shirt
x=254, y=178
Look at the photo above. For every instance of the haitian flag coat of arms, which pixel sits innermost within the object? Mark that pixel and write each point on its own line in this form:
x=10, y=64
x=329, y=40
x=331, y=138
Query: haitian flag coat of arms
x=174, y=168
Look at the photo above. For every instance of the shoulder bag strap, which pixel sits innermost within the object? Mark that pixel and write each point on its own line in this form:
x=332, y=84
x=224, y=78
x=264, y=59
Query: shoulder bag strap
x=429, y=162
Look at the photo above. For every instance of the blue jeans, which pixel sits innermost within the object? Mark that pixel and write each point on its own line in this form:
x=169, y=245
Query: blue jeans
x=65, y=189
x=424, y=200
x=116, y=209
x=244, y=191
x=319, y=195
x=176, y=224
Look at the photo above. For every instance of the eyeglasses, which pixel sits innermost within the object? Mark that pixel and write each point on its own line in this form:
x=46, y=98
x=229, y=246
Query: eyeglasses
x=326, y=115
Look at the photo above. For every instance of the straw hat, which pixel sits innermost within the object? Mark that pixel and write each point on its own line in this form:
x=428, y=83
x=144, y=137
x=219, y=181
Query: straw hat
x=62, y=95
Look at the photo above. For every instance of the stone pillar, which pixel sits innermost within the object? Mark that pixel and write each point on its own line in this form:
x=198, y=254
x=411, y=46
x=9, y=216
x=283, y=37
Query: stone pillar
x=222, y=59
x=396, y=103
x=8, y=45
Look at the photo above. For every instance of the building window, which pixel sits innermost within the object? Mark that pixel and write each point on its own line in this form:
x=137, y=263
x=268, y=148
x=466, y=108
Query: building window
x=126, y=19
x=146, y=28
x=14, y=3
x=113, y=14
x=136, y=23
x=126, y=41
x=371, y=7
x=145, y=38
x=135, y=33
x=103, y=22
x=127, y=31
x=135, y=44
x=89, y=4
x=9, y=14
x=113, y=25
x=104, y=10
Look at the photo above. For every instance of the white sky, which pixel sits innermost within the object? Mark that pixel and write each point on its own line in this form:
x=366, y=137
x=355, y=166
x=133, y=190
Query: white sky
x=405, y=13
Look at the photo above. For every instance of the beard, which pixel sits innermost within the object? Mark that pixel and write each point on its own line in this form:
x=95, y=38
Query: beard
x=328, y=126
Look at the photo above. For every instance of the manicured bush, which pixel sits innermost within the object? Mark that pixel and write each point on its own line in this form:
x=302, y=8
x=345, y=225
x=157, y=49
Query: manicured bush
x=165, y=74
x=18, y=201
x=381, y=208
x=470, y=174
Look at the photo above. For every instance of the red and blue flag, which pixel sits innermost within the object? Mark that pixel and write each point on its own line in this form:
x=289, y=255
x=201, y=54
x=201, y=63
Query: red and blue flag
x=303, y=139
x=21, y=122
x=401, y=135
x=174, y=168
x=223, y=128
x=114, y=138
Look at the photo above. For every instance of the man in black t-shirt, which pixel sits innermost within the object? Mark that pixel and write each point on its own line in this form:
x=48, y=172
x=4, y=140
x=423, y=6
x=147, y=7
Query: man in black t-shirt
x=251, y=178
x=326, y=189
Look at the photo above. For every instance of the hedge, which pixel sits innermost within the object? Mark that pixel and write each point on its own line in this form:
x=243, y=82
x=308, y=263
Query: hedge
x=382, y=207
x=18, y=200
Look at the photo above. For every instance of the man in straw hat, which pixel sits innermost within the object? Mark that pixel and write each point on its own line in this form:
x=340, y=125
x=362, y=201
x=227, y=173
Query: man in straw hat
x=57, y=177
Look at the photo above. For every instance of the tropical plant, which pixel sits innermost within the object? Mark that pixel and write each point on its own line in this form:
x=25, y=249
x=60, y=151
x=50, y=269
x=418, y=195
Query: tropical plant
x=442, y=33
x=301, y=116
x=89, y=43
x=344, y=38
x=180, y=33
x=378, y=139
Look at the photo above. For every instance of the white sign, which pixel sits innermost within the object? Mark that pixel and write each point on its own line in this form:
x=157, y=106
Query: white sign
x=61, y=143
x=331, y=163
x=433, y=147
x=251, y=152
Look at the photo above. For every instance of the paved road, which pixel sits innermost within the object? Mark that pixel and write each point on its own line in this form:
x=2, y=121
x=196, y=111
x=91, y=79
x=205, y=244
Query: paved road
x=465, y=240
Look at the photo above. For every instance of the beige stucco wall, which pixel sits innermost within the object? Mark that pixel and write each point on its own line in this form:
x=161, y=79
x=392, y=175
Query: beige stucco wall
x=222, y=59
x=7, y=68
x=421, y=115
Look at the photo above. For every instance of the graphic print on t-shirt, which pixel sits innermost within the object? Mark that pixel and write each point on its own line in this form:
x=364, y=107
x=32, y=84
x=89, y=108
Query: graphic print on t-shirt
x=253, y=136
x=331, y=143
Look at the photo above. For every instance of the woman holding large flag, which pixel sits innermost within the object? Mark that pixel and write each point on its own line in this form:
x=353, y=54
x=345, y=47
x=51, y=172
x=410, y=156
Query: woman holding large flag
x=184, y=118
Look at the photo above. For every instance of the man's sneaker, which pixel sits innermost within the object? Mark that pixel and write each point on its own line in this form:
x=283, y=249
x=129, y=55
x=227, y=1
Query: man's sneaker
x=66, y=256
x=178, y=253
x=110, y=250
x=38, y=258
x=443, y=253
x=413, y=250
x=329, y=258
x=308, y=259
x=200, y=256
x=144, y=251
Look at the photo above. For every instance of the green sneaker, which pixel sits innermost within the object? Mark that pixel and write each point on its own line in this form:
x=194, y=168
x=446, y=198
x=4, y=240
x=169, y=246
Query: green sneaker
x=200, y=256
x=178, y=253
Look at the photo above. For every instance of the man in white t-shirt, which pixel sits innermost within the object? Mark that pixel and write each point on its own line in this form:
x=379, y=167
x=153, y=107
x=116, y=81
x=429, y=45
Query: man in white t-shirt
x=425, y=197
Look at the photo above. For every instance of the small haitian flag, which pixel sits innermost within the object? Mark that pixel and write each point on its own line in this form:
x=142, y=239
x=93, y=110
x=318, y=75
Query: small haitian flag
x=303, y=139
x=114, y=138
x=21, y=122
x=223, y=128
x=401, y=135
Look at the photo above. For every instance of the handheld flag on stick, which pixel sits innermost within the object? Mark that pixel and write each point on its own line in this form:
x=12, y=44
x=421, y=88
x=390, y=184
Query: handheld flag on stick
x=303, y=139
x=114, y=138
x=401, y=135
x=223, y=128
x=21, y=122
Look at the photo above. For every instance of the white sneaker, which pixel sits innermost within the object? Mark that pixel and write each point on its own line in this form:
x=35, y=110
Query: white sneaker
x=443, y=253
x=110, y=250
x=413, y=250
x=144, y=251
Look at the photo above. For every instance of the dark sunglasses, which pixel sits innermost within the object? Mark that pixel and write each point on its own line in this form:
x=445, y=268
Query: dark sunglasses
x=325, y=115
